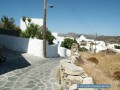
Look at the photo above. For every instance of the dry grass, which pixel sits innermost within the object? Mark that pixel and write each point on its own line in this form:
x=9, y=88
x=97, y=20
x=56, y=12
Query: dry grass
x=57, y=74
x=103, y=71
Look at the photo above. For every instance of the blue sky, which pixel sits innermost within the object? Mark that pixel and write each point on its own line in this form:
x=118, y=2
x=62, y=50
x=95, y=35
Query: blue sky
x=79, y=16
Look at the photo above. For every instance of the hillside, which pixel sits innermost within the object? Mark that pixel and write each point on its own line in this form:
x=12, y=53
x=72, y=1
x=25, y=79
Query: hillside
x=107, y=39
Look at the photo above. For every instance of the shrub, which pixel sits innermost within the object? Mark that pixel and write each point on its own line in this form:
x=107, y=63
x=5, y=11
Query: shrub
x=116, y=47
x=16, y=33
x=31, y=31
x=83, y=49
x=67, y=43
x=34, y=30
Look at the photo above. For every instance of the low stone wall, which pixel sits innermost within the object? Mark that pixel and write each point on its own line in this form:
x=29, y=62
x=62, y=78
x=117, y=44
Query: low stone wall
x=71, y=74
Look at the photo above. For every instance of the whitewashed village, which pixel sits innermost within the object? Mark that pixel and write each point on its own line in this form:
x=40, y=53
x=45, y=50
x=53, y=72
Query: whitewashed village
x=63, y=68
x=82, y=40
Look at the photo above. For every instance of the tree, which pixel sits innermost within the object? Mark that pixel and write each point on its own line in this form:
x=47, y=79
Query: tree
x=67, y=43
x=8, y=23
x=29, y=20
x=5, y=21
x=24, y=20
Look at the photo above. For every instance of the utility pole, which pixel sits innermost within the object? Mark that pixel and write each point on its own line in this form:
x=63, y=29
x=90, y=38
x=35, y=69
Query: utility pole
x=95, y=43
x=44, y=28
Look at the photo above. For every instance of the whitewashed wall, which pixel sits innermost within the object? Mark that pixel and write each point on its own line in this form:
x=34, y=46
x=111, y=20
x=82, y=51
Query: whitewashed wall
x=63, y=52
x=52, y=51
x=33, y=20
x=32, y=46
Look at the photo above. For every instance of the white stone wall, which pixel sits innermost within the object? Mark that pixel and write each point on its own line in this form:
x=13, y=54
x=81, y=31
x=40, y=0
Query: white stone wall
x=63, y=52
x=32, y=46
x=52, y=51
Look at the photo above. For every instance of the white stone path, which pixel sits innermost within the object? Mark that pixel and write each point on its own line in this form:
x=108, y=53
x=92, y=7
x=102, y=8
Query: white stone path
x=40, y=75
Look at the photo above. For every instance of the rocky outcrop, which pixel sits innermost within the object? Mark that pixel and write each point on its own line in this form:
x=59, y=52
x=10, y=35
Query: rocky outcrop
x=75, y=55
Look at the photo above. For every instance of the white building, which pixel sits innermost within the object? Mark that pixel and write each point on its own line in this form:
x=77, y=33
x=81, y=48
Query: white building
x=60, y=40
x=100, y=43
x=81, y=38
x=33, y=20
x=56, y=37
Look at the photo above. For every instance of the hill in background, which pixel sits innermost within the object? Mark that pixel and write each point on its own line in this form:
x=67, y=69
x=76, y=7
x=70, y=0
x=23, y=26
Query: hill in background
x=107, y=39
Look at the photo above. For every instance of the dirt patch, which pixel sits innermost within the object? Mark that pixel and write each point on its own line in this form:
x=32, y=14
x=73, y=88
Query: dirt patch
x=104, y=72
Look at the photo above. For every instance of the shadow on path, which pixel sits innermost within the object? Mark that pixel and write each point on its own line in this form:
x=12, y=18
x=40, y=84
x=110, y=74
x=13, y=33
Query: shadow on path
x=14, y=60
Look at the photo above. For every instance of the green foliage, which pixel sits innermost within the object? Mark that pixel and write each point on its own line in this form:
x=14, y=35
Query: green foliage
x=8, y=27
x=8, y=23
x=34, y=30
x=24, y=18
x=67, y=43
x=29, y=20
x=49, y=37
x=83, y=49
x=30, y=31
x=116, y=47
x=16, y=33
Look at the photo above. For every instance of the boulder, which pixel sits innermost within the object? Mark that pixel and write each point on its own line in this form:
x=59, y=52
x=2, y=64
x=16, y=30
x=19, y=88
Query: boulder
x=71, y=69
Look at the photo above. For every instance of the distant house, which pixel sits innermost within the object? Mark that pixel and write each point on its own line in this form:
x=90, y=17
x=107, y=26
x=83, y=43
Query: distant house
x=33, y=20
x=100, y=43
x=81, y=38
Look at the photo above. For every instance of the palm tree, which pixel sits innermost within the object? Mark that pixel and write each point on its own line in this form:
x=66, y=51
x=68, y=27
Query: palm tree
x=8, y=23
x=5, y=21
x=24, y=20
x=29, y=21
